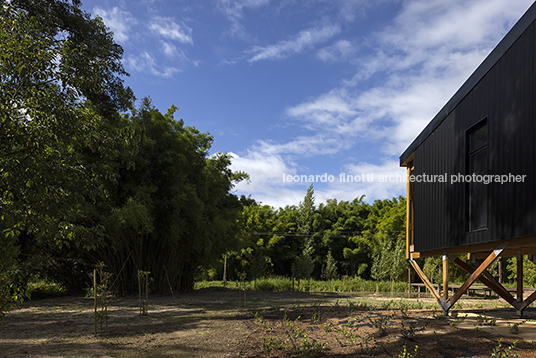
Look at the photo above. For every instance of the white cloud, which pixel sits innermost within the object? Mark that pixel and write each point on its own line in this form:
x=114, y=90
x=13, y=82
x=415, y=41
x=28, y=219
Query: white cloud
x=376, y=181
x=266, y=178
x=234, y=10
x=454, y=25
x=428, y=34
x=352, y=10
x=261, y=167
x=119, y=21
x=168, y=28
x=304, y=146
x=342, y=50
x=430, y=51
x=147, y=63
x=304, y=40
x=327, y=111
x=267, y=183
x=169, y=50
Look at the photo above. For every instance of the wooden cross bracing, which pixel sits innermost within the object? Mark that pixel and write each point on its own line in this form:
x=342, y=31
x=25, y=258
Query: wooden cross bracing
x=478, y=273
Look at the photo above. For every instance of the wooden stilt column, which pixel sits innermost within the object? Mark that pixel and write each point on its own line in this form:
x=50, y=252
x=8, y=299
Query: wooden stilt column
x=445, y=277
x=529, y=299
x=519, y=297
x=500, y=271
x=445, y=305
x=409, y=283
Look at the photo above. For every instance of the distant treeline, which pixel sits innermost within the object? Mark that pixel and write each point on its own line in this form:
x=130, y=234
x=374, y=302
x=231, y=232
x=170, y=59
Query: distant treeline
x=334, y=240
x=337, y=238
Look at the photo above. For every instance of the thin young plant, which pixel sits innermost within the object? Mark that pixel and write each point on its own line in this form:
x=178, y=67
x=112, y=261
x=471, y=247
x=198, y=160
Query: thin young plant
x=406, y=354
x=498, y=352
x=101, y=295
x=381, y=323
x=409, y=333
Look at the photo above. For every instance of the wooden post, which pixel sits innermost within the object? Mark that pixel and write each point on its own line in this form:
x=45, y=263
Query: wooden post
x=95, y=297
x=519, y=276
x=409, y=283
x=146, y=294
x=225, y=270
x=427, y=282
x=139, y=289
x=445, y=277
x=500, y=271
x=408, y=211
x=169, y=283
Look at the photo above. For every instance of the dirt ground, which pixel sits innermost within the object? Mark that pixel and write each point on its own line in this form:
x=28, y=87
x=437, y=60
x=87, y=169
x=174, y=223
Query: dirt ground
x=210, y=323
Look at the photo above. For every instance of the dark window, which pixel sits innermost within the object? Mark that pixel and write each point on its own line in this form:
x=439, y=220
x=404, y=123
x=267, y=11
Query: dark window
x=477, y=164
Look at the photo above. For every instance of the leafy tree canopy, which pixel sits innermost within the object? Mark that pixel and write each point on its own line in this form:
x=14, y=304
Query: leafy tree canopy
x=60, y=82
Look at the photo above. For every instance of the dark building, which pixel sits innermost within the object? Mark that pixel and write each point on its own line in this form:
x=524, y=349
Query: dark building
x=472, y=170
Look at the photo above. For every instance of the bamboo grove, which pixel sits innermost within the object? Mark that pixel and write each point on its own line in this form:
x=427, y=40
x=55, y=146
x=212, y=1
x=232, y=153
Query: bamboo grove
x=85, y=176
x=333, y=239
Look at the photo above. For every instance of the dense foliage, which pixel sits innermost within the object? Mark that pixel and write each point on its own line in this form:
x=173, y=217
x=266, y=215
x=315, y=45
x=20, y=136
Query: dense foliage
x=336, y=238
x=170, y=209
x=60, y=93
x=87, y=178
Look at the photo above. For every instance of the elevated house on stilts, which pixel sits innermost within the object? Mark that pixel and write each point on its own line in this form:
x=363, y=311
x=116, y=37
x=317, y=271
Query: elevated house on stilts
x=472, y=172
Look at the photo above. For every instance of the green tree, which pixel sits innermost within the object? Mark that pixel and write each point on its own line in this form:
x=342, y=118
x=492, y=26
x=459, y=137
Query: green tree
x=285, y=244
x=341, y=224
x=59, y=76
x=303, y=266
x=306, y=209
x=89, y=65
x=389, y=240
x=399, y=263
x=357, y=259
x=380, y=268
x=171, y=209
x=255, y=229
x=432, y=268
x=45, y=120
x=392, y=261
x=259, y=266
x=529, y=271
x=329, y=271
x=60, y=90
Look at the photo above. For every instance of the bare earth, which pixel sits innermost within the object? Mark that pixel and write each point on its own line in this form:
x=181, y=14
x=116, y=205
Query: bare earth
x=209, y=323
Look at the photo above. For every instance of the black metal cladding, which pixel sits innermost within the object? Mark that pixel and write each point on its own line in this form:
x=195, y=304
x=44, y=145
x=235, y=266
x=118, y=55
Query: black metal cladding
x=505, y=96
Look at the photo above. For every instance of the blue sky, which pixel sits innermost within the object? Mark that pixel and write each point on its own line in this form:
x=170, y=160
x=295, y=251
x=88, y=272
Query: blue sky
x=308, y=87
